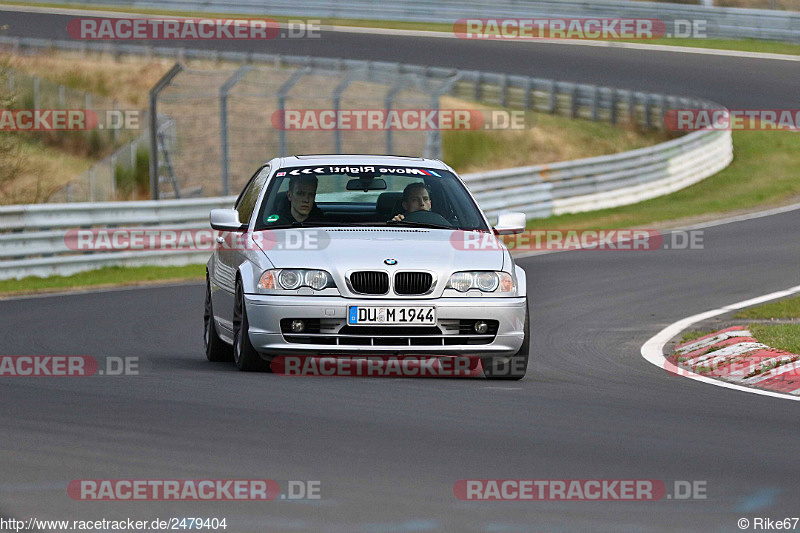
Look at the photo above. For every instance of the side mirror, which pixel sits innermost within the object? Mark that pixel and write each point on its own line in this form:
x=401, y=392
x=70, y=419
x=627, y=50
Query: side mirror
x=226, y=220
x=510, y=223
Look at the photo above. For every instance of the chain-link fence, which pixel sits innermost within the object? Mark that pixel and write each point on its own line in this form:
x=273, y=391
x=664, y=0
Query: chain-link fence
x=229, y=121
x=121, y=175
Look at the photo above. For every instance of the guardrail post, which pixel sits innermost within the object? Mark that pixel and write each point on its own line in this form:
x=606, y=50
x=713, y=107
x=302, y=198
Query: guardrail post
x=153, y=99
x=527, y=100
x=553, y=105
x=478, y=88
x=632, y=108
x=664, y=109
x=574, y=101
x=36, y=92
x=614, y=103
x=503, y=90
x=91, y=184
x=282, y=92
x=596, y=103
x=648, y=112
x=223, y=123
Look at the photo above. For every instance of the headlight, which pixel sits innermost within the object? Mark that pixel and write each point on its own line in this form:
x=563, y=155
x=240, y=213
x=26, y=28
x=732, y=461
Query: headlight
x=461, y=281
x=316, y=279
x=291, y=279
x=483, y=281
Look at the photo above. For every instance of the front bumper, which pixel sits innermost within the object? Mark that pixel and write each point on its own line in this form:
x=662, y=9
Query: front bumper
x=266, y=312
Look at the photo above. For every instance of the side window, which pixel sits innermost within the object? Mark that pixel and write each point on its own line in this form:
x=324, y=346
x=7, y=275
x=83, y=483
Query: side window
x=247, y=200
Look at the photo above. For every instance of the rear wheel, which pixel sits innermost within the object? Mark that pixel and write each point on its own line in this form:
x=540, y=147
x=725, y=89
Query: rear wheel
x=217, y=350
x=515, y=368
x=244, y=354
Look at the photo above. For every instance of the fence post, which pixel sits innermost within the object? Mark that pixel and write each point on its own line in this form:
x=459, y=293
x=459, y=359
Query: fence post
x=552, y=107
x=114, y=176
x=282, y=92
x=36, y=93
x=337, y=100
x=153, y=98
x=387, y=104
x=223, y=123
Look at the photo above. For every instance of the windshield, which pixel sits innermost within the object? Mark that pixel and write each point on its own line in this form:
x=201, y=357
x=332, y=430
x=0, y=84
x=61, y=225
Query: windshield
x=367, y=195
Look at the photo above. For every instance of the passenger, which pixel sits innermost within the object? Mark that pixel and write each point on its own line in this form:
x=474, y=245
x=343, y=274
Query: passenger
x=416, y=197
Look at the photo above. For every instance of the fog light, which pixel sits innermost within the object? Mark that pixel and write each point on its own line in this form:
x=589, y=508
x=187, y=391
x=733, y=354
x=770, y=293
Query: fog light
x=481, y=327
x=298, y=326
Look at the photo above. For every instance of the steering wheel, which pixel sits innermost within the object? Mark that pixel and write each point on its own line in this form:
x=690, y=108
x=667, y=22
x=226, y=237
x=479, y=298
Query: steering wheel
x=426, y=217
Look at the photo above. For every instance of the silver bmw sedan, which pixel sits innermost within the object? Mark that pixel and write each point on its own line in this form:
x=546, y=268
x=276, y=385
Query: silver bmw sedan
x=350, y=255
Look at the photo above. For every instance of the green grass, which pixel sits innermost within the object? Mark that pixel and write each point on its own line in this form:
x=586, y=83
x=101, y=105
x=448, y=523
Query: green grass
x=786, y=308
x=695, y=334
x=780, y=336
x=108, y=276
x=748, y=45
x=763, y=172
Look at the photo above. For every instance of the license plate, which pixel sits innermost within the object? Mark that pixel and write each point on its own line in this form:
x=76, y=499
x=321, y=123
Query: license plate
x=391, y=316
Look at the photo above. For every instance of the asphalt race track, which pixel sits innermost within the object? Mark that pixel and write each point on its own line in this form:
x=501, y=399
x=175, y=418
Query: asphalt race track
x=388, y=451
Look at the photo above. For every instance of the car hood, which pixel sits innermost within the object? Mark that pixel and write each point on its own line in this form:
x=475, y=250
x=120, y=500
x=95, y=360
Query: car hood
x=341, y=250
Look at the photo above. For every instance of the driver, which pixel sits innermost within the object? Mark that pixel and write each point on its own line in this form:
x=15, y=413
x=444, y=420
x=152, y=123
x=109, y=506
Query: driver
x=301, y=194
x=416, y=197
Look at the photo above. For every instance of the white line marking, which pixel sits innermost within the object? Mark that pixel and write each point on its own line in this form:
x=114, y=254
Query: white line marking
x=653, y=349
x=434, y=34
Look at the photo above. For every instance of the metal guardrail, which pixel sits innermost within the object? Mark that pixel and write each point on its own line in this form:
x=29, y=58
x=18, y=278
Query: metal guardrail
x=734, y=23
x=36, y=244
x=32, y=236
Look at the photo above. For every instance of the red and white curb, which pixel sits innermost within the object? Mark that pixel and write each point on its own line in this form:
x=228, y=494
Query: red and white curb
x=733, y=355
x=736, y=366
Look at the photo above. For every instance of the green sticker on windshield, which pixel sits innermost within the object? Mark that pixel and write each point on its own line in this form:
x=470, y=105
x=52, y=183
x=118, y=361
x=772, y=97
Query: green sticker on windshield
x=272, y=218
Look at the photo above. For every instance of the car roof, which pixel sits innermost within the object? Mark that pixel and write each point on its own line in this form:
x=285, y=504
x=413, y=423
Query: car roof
x=358, y=159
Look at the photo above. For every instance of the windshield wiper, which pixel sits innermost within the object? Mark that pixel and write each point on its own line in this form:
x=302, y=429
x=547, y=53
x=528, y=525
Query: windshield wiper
x=295, y=224
x=418, y=224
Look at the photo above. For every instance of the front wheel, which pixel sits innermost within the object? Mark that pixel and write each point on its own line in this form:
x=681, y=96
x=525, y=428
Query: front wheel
x=217, y=350
x=515, y=368
x=244, y=354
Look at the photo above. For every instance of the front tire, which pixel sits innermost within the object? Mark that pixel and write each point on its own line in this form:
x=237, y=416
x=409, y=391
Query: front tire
x=244, y=354
x=515, y=368
x=217, y=350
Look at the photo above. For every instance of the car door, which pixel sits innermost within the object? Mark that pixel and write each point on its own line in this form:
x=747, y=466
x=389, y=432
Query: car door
x=228, y=256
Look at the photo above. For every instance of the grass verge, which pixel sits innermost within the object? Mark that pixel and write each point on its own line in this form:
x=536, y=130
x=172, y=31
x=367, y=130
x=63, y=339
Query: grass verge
x=763, y=172
x=104, y=277
x=779, y=336
x=695, y=334
x=785, y=308
x=744, y=45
